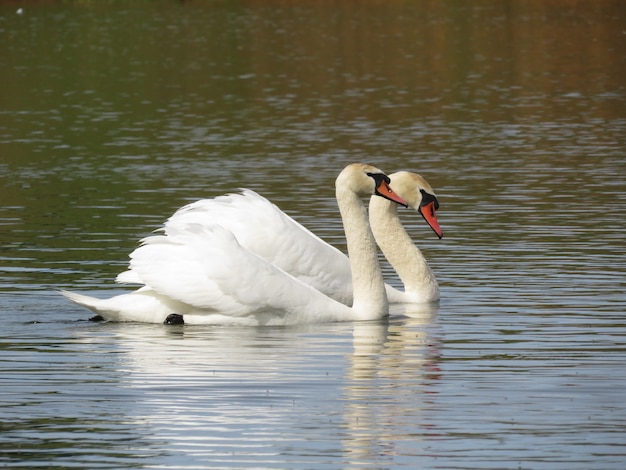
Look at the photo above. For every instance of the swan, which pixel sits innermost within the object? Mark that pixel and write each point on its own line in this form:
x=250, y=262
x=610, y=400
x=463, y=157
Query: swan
x=200, y=272
x=420, y=284
x=264, y=229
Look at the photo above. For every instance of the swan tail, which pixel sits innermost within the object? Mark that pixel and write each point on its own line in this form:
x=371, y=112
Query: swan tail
x=103, y=307
x=143, y=305
x=86, y=301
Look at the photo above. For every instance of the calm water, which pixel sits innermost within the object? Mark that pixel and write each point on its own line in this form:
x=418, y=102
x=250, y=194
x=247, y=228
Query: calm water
x=111, y=117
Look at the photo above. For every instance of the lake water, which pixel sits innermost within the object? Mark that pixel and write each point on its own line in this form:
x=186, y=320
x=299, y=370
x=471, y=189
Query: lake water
x=113, y=115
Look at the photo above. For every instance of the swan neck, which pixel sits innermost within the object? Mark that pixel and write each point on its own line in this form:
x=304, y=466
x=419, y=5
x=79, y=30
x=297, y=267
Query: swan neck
x=397, y=246
x=370, y=298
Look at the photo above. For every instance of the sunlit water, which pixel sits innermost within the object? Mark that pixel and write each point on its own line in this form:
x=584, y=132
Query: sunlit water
x=113, y=118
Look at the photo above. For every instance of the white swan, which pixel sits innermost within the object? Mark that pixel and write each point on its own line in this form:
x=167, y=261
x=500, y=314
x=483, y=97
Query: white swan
x=203, y=273
x=264, y=229
x=420, y=284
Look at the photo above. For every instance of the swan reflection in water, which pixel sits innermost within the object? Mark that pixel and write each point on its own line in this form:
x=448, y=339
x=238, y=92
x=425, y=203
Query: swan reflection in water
x=277, y=393
x=389, y=385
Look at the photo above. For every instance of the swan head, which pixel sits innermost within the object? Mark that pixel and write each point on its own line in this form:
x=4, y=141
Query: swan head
x=420, y=196
x=366, y=180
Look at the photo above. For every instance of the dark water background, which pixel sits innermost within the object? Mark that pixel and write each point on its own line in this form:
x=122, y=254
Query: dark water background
x=114, y=114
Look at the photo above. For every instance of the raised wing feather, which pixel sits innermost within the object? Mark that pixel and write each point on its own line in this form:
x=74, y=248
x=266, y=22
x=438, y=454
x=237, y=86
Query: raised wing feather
x=205, y=267
x=262, y=228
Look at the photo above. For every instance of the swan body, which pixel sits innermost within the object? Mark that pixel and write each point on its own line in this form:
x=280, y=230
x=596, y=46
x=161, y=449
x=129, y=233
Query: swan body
x=261, y=227
x=202, y=272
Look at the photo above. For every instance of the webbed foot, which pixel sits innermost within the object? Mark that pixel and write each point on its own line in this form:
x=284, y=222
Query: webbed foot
x=174, y=319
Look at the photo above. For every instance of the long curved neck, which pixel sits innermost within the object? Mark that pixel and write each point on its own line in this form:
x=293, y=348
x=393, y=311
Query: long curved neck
x=370, y=298
x=397, y=246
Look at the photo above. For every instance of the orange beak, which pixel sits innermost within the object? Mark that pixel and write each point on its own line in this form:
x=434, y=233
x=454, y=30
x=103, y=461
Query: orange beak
x=384, y=190
x=430, y=216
